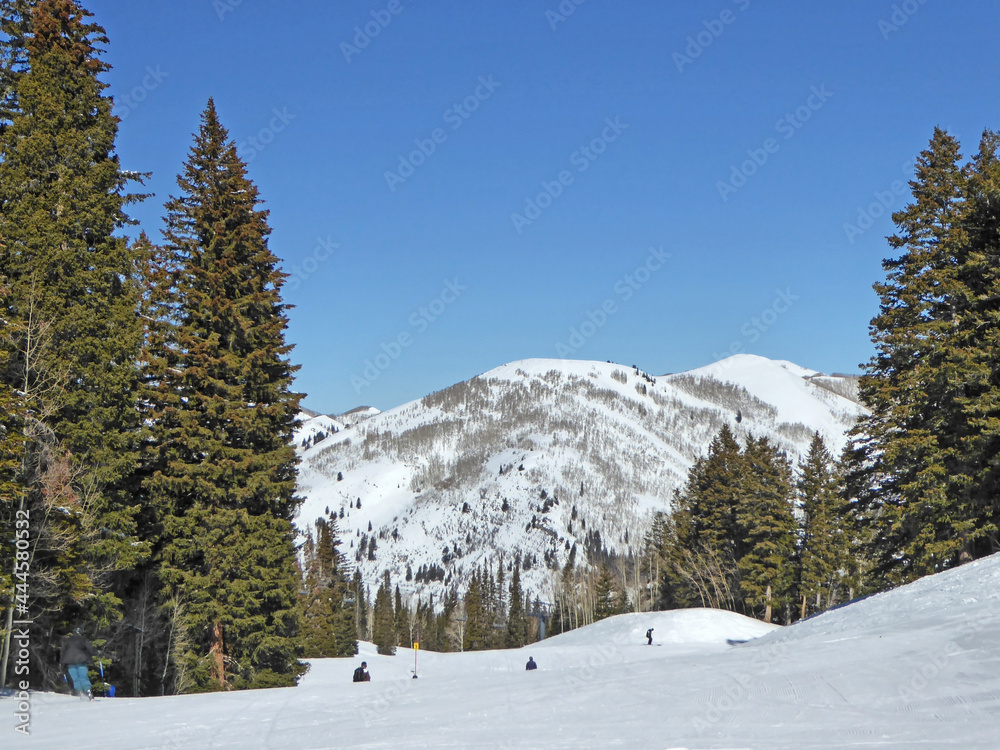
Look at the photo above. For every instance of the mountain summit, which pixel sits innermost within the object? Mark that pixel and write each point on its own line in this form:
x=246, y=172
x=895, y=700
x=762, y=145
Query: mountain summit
x=536, y=456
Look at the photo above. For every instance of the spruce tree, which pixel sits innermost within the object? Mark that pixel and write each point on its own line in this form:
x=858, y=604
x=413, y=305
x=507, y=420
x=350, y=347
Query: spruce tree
x=476, y=626
x=824, y=541
x=767, y=529
x=327, y=617
x=974, y=365
x=15, y=30
x=517, y=621
x=604, y=595
x=701, y=539
x=72, y=334
x=220, y=467
x=922, y=479
x=384, y=626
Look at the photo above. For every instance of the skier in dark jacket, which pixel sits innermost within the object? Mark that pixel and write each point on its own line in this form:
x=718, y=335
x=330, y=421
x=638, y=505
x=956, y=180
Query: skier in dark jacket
x=649, y=637
x=361, y=673
x=531, y=663
x=76, y=655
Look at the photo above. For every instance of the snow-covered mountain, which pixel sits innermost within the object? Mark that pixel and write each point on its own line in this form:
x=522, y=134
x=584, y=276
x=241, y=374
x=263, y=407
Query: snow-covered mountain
x=524, y=461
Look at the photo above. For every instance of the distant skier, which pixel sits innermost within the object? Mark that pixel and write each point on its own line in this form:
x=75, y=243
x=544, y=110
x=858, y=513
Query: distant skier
x=531, y=664
x=649, y=637
x=76, y=655
x=361, y=673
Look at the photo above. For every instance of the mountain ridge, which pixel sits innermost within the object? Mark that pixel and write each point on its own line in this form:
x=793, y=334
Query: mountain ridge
x=535, y=456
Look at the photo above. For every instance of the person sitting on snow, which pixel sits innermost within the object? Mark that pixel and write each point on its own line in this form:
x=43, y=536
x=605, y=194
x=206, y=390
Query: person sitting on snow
x=531, y=664
x=361, y=673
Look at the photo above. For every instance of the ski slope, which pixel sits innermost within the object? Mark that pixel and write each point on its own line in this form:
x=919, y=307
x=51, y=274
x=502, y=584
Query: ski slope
x=917, y=668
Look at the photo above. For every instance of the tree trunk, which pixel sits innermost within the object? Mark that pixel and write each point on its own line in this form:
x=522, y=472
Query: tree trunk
x=218, y=665
x=767, y=610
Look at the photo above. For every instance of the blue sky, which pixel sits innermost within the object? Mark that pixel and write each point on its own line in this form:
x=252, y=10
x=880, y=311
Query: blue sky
x=457, y=184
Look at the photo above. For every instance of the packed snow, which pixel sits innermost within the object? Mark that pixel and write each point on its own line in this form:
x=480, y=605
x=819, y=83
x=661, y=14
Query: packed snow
x=918, y=667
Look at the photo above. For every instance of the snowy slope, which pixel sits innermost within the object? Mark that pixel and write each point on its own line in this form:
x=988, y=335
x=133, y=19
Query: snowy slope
x=916, y=668
x=535, y=456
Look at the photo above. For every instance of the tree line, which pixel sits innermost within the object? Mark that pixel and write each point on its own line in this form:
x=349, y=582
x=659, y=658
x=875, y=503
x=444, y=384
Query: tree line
x=338, y=609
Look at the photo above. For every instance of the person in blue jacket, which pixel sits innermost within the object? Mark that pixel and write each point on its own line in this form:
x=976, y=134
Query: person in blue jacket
x=531, y=664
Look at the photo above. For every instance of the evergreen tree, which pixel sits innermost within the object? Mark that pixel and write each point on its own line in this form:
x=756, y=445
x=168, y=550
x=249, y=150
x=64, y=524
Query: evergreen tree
x=72, y=333
x=824, y=542
x=701, y=539
x=767, y=528
x=517, y=621
x=476, y=625
x=221, y=466
x=15, y=30
x=384, y=626
x=922, y=475
x=604, y=595
x=711, y=496
x=402, y=622
x=974, y=366
x=327, y=617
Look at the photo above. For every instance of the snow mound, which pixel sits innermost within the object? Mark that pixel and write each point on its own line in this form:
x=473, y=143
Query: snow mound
x=678, y=627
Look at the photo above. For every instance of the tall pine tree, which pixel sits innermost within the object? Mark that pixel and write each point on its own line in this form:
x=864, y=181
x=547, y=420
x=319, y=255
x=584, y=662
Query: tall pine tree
x=923, y=476
x=221, y=467
x=766, y=528
x=824, y=542
x=72, y=333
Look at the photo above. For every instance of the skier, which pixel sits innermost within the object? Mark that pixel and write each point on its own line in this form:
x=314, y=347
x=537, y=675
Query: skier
x=531, y=664
x=649, y=637
x=76, y=655
x=361, y=673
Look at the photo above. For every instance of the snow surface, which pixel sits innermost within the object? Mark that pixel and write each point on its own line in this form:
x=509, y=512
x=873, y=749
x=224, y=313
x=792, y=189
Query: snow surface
x=917, y=668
